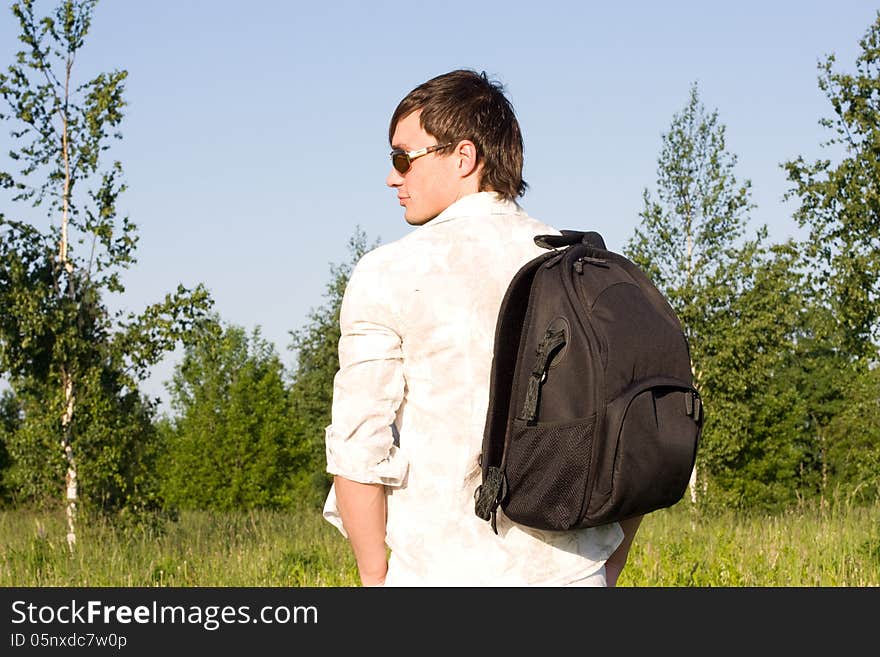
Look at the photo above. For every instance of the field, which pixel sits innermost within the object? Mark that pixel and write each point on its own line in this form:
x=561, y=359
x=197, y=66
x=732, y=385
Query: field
x=832, y=547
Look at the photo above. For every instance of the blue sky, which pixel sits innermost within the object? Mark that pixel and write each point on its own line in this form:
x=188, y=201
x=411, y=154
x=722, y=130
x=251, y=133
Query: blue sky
x=255, y=139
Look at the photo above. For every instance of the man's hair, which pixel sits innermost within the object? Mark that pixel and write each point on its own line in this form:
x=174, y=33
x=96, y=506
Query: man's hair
x=464, y=104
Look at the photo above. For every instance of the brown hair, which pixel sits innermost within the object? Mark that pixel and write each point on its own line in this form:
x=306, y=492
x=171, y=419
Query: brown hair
x=464, y=104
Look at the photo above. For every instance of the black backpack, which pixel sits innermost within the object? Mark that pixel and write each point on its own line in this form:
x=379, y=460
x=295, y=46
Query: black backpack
x=593, y=415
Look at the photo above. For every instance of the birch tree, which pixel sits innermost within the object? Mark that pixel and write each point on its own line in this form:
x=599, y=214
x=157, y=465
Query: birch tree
x=740, y=301
x=691, y=225
x=55, y=332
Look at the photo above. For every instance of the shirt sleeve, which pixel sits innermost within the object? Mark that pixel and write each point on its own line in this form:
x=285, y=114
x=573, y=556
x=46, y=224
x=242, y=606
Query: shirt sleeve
x=369, y=386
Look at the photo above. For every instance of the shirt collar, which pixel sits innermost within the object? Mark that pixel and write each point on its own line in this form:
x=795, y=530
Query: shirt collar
x=480, y=203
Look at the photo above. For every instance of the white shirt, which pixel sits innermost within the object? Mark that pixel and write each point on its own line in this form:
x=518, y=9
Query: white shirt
x=417, y=336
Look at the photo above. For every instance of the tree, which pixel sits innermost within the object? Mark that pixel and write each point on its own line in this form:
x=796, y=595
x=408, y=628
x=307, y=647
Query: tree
x=10, y=420
x=755, y=453
x=687, y=234
x=839, y=203
x=853, y=440
x=231, y=445
x=317, y=361
x=68, y=358
x=739, y=305
x=690, y=232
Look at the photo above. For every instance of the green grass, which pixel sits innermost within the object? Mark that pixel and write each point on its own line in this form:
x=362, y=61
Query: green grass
x=835, y=547
x=259, y=548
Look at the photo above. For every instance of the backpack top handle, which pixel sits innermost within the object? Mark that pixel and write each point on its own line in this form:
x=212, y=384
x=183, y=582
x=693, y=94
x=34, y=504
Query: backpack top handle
x=569, y=238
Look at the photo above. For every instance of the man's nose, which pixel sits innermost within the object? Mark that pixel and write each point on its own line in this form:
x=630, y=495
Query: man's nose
x=394, y=179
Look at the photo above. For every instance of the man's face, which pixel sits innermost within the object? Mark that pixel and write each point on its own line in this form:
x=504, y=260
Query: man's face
x=431, y=185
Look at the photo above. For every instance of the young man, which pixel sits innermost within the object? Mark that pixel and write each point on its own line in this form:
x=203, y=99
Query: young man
x=418, y=323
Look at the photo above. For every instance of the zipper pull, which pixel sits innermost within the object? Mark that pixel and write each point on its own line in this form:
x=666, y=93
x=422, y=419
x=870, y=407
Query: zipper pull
x=596, y=262
x=553, y=260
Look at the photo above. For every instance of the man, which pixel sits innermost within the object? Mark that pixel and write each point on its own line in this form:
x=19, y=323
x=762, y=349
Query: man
x=417, y=335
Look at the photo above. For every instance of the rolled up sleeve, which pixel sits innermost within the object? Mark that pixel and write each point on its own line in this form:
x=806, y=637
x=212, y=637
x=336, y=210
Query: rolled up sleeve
x=369, y=386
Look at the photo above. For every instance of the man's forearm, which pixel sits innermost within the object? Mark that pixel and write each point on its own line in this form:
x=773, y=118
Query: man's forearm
x=617, y=561
x=362, y=507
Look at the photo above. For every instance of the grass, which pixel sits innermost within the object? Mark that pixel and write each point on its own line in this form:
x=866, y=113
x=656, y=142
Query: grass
x=837, y=547
x=832, y=547
x=259, y=548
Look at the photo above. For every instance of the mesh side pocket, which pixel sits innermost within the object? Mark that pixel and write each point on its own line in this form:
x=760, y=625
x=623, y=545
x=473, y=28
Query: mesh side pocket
x=547, y=469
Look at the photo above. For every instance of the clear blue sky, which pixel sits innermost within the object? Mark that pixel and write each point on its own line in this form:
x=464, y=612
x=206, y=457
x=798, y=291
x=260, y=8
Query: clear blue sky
x=255, y=139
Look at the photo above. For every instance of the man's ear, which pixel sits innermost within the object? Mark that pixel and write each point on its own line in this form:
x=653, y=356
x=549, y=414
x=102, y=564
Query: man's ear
x=466, y=154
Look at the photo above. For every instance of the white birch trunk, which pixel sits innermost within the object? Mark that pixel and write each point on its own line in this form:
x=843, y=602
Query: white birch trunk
x=70, y=479
x=71, y=493
x=692, y=483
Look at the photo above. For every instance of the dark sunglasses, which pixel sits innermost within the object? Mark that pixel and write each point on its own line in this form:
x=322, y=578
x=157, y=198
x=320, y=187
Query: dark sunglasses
x=402, y=160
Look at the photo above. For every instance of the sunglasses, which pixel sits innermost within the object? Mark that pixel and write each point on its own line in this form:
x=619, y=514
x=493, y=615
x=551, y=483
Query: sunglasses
x=401, y=160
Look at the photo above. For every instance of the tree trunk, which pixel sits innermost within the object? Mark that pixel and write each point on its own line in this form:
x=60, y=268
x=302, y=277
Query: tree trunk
x=70, y=478
x=692, y=483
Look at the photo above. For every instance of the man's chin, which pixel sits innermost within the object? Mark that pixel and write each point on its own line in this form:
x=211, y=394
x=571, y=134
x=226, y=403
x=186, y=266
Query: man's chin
x=416, y=220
